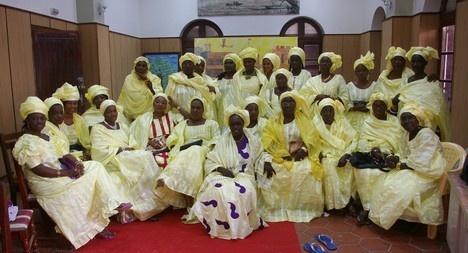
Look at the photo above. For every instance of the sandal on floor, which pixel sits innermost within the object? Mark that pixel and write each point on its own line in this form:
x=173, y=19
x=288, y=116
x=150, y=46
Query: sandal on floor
x=313, y=247
x=123, y=207
x=326, y=240
x=363, y=220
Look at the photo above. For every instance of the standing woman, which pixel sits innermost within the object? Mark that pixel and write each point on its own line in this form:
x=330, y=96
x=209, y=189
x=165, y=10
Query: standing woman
x=187, y=83
x=73, y=126
x=79, y=199
x=96, y=95
x=390, y=80
x=200, y=69
x=327, y=84
x=135, y=171
x=250, y=80
x=138, y=89
x=229, y=94
x=410, y=190
x=300, y=75
x=189, y=142
x=360, y=90
x=152, y=129
x=289, y=174
x=270, y=63
x=227, y=202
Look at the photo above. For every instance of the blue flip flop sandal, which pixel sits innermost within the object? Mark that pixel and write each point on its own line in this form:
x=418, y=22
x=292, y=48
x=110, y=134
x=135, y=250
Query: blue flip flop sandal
x=313, y=247
x=326, y=240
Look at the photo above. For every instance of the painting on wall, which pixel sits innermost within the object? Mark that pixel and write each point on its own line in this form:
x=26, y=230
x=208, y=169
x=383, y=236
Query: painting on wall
x=247, y=7
x=163, y=64
x=214, y=49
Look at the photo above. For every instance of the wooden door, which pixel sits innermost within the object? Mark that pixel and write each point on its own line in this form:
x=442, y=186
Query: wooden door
x=57, y=59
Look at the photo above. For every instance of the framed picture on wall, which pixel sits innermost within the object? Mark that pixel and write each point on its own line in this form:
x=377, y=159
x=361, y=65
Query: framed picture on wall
x=248, y=7
x=163, y=64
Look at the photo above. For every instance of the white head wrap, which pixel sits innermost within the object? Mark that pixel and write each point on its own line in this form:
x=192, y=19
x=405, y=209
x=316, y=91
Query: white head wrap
x=335, y=59
x=234, y=110
x=366, y=60
x=33, y=105
x=67, y=92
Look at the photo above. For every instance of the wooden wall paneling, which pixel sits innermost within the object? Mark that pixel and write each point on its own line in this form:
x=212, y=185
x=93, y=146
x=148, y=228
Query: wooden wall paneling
x=21, y=59
x=429, y=35
x=170, y=45
x=40, y=20
x=333, y=43
x=89, y=53
x=401, y=32
x=58, y=24
x=387, y=31
x=103, y=56
x=460, y=77
x=150, y=45
x=71, y=27
x=349, y=54
x=416, y=29
x=364, y=43
x=372, y=41
x=112, y=56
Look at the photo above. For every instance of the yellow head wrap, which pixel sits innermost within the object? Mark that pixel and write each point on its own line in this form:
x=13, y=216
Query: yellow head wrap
x=336, y=104
x=202, y=60
x=205, y=111
x=366, y=60
x=139, y=59
x=301, y=103
x=299, y=52
x=33, y=105
x=379, y=96
x=426, y=52
x=160, y=94
x=189, y=57
x=235, y=58
x=274, y=58
x=96, y=90
x=249, y=52
x=335, y=59
x=52, y=101
x=392, y=53
x=262, y=105
x=283, y=71
x=67, y=92
x=106, y=103
x=234, y=110
x=414, y=108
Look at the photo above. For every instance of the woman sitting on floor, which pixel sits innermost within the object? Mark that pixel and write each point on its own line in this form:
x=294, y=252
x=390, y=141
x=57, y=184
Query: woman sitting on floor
x=290, y=181
x=227, y=202
x=412, y=187
x=78, y=196
x=135, y=171
x=189, y=142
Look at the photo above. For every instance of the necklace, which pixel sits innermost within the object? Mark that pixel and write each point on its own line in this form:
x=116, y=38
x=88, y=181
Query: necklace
x=326, y=79
x=115, y=127
x=237, y=141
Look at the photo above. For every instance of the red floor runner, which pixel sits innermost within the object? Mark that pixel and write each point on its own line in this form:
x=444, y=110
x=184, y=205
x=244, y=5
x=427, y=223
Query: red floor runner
x=169, y=234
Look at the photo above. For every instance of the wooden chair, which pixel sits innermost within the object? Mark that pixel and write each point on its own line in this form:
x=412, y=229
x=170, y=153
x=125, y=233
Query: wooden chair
x=455, y=156
x=23, y=225
x=7, y=142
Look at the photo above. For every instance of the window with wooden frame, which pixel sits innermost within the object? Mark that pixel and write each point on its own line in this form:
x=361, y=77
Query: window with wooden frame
x=199, y=28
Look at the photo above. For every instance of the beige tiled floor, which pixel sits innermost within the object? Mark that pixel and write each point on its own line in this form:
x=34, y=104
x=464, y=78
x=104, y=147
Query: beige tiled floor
x=402, y=237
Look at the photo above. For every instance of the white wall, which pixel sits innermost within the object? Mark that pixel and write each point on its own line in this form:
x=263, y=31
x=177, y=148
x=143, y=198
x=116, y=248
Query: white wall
x=67, y=8
x=123, y=16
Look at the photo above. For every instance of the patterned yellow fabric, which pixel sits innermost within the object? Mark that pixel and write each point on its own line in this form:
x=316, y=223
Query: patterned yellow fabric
x=392, y=53
x=67, y=92
x=426, y=52
x=33, y=105
x=390, y=87
x=366, y=60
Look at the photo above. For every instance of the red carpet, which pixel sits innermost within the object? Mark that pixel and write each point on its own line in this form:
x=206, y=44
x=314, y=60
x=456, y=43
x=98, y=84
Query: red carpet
x=169, y=234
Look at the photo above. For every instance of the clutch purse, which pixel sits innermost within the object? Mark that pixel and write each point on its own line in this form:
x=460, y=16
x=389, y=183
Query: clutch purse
x=66, y=164
x=364, y=160
x=188, y=145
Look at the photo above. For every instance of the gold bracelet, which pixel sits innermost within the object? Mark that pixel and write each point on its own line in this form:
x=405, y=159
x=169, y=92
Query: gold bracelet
x=59, y=174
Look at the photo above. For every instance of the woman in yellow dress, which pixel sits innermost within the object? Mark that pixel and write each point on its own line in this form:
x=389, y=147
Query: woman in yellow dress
x=184, y=85
x=279, y=85
x=327, y=84
x=227, y=202
x=250, y=80
x=152, y=129
x=189, y=142
x=256, y=108
x=410, y=191
x=338, y=138
x=96, y=95
x=300, y=75
x=80, y=198
x=290, y=175
x=270, y=63
x=137, y=92
x=73, y=126
x=135, y=171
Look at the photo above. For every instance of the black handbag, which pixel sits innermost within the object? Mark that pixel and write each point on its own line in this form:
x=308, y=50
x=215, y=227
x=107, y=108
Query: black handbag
x=364, y=160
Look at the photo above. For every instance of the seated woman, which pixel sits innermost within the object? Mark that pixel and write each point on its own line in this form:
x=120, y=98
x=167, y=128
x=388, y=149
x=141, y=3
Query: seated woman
x=78, y=196
x=96, y=95
x=380, y=135
x=412, y=187
x=55, y=118
x=73, y=126
x=327, y=84
x=360, y=90
x=427, y=93
x=227, y=202
x=279, y=86
x=152, y=129
x=228, y=93
x=189, y=142
x=256, y=108
x=290, y=185
x=135, y=171
x=338, y=138
x=184, y=85
x=138, y=89
x=300, y=75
